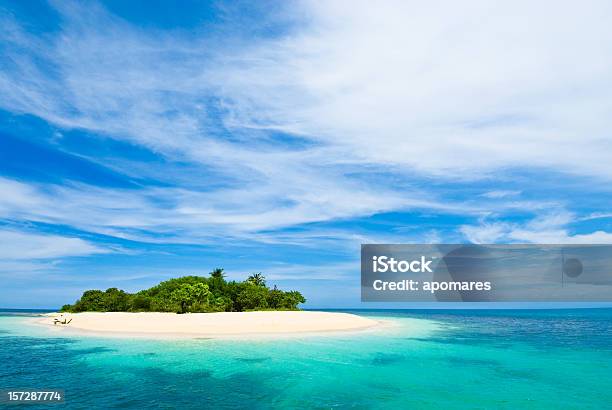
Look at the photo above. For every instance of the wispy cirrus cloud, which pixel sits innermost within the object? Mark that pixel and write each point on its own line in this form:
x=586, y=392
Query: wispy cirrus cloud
x=31, y=246
x=545, y=228
x=452, y=91
x=348, y=112
x=397, y=77
x=501, y=194
x=80, y=80
x=179, y=215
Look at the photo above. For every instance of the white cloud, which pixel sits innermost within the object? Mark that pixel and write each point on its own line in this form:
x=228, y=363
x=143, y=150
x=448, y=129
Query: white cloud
x=485, y=232
x=561, y=236
x=597, y=215
x=126, y=84
x=500, y=194
x=453, y=91
x=543, y=229
x=177, y=215
x=439, y=88
x=183, y=213
x=27, y=246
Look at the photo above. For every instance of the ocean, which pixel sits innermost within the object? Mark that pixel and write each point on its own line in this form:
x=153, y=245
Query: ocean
x=424, y=359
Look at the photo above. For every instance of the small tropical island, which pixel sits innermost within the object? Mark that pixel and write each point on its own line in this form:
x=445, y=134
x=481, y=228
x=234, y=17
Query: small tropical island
x=198, y=306
x=192, y=294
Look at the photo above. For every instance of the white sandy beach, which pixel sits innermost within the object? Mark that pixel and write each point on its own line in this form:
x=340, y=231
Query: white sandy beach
x=212, y=325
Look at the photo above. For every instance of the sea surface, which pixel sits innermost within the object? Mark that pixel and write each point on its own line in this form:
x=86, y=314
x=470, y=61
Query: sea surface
x=478, y=359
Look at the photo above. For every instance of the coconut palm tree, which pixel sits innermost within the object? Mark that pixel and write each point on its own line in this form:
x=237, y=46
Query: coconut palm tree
x=257, y=279
x=217, y=273
x=217, y=280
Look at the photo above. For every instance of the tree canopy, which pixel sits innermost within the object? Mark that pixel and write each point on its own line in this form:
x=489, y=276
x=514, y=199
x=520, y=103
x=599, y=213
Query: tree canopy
x=192, y=294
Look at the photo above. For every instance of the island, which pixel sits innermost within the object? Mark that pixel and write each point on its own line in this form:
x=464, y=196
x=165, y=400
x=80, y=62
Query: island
x=198, y=306
x=192, y=294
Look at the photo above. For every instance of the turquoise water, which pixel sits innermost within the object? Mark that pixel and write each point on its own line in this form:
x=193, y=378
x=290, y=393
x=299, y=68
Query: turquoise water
x=426, y=359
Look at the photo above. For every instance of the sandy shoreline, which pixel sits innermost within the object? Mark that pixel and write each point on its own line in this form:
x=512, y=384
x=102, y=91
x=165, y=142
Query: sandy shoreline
x=210, y=325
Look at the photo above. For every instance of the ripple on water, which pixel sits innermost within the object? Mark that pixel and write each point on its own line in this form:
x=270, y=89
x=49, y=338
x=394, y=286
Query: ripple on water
x=386, y=359
x=253, y=359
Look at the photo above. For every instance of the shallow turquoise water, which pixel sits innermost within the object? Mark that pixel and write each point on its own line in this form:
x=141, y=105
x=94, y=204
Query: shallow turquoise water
x=428, y=359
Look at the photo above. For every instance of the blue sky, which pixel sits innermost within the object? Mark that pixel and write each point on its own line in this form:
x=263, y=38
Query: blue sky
x=140, y=141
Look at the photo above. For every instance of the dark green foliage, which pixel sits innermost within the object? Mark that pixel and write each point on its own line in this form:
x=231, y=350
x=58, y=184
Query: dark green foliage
x=187, y=296
x=116, y=300
x=91, y=300
x=141, y=302
x=66, y=308
x=291, y=299
x=253, y=297
x=192, y=294
x=275, y=298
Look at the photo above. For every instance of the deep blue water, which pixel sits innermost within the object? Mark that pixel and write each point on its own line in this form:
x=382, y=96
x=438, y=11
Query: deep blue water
x=428, y=359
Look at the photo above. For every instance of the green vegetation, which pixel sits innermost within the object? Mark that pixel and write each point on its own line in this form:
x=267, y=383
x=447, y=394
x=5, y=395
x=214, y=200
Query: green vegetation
x=192, y=294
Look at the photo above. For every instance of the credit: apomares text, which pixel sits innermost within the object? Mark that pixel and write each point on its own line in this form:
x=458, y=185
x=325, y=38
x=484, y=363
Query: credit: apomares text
x=413, y=285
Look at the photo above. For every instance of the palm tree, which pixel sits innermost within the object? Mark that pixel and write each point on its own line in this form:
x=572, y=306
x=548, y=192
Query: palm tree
x=217, y=281
x=217, y=273
x=257, y=279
